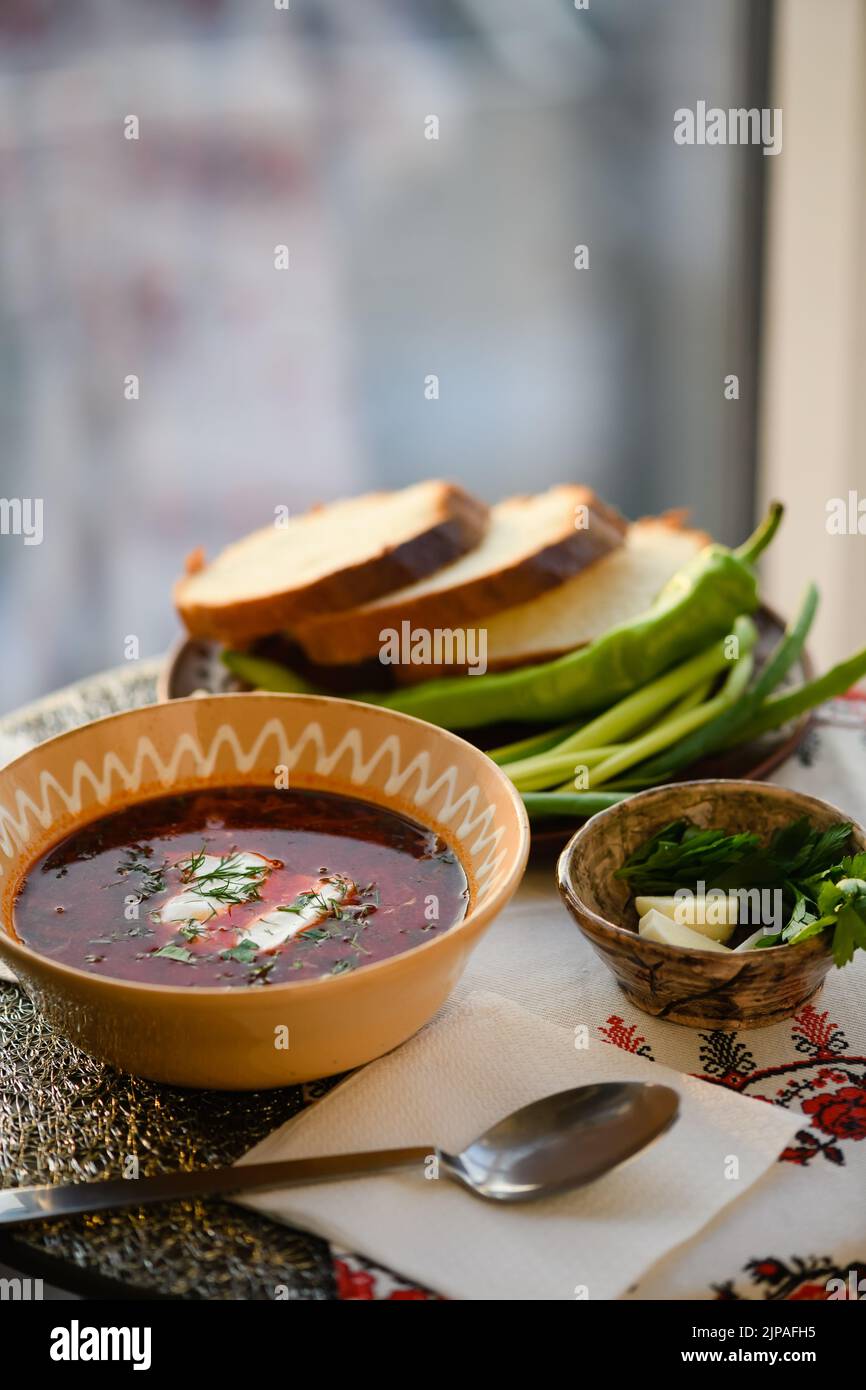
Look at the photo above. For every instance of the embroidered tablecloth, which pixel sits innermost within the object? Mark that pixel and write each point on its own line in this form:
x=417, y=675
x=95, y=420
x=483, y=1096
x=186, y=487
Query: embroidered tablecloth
x=801, y=1226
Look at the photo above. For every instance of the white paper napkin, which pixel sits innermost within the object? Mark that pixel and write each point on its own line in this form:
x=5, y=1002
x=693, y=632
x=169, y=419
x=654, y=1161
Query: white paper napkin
x=478, y=1060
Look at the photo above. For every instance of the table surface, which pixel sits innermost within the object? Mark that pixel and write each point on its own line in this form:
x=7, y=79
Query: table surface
x=65, y=1116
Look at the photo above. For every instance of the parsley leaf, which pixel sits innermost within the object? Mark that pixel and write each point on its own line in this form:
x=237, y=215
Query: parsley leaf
x=173, y=952
x=245, y=952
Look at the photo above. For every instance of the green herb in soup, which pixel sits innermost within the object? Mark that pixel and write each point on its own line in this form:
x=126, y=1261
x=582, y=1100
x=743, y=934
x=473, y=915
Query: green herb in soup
x=240, y=886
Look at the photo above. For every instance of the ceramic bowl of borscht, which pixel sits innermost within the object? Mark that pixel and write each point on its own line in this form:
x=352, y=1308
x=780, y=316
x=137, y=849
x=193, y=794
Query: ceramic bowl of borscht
x=247, y=890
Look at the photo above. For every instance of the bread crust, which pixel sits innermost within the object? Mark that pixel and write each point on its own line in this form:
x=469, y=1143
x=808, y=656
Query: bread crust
x=458, y=523
x=673, y=520
x=353, y=636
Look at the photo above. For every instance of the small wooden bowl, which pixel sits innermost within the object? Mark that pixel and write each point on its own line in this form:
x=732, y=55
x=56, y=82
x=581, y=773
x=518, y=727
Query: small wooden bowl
x=702, y=989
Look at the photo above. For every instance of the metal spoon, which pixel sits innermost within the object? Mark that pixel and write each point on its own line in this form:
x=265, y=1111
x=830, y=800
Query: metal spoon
x=562, y=1141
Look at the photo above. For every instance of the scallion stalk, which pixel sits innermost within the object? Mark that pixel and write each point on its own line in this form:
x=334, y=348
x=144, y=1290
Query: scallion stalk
x=732, y=721
x=781, y=708
x=692, y=698
x=528, y=747
x=552, y=768
x=542, y=806
x=679, y=727
x=632, y=713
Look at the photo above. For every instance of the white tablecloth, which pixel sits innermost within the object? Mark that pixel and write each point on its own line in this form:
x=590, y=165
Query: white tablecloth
x=801, y=1224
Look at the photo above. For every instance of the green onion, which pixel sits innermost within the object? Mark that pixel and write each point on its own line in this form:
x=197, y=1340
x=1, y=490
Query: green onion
x=636, y=710
x=541, y=806
x=781, y=708
x=693, y=697
x=526, y=747
x=630, y=714
x=678, y=727
x=552, y=768
x=734, y=717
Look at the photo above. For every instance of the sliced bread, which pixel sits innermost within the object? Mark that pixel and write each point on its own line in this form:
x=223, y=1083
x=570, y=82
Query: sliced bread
x=621, y=586
x=531, y=544
x=327, y=560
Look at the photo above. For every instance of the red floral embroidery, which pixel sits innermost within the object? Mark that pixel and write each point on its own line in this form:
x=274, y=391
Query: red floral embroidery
x=841, y=1114
x=353, y=1283
x=359, y=1279
x=812, y=1032
x=838, y=1114
x=794, y=1155
x=625, y=1035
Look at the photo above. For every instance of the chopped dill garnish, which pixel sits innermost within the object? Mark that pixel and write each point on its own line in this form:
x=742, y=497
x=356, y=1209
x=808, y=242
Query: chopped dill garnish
x=192, y=929
x=314, y=934
x=230, y=881
x=137, y=860
x=259, y=974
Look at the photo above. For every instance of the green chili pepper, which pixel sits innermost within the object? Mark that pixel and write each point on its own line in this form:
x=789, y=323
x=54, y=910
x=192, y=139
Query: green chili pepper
x=762, y=535
x=266, y=675
x=699, y=604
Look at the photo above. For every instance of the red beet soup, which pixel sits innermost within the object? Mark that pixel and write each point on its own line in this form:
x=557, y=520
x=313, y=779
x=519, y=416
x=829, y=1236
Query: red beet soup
x=240, y=886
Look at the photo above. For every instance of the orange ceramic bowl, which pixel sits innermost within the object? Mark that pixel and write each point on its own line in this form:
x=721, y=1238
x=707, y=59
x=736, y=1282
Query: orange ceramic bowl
x=225, y=1038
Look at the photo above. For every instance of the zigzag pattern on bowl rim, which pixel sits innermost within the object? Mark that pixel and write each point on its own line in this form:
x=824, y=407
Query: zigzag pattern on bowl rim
x=17, y=826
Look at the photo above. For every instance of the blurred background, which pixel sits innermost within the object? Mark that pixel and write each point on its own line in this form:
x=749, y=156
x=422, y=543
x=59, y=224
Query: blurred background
x=408, y=256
